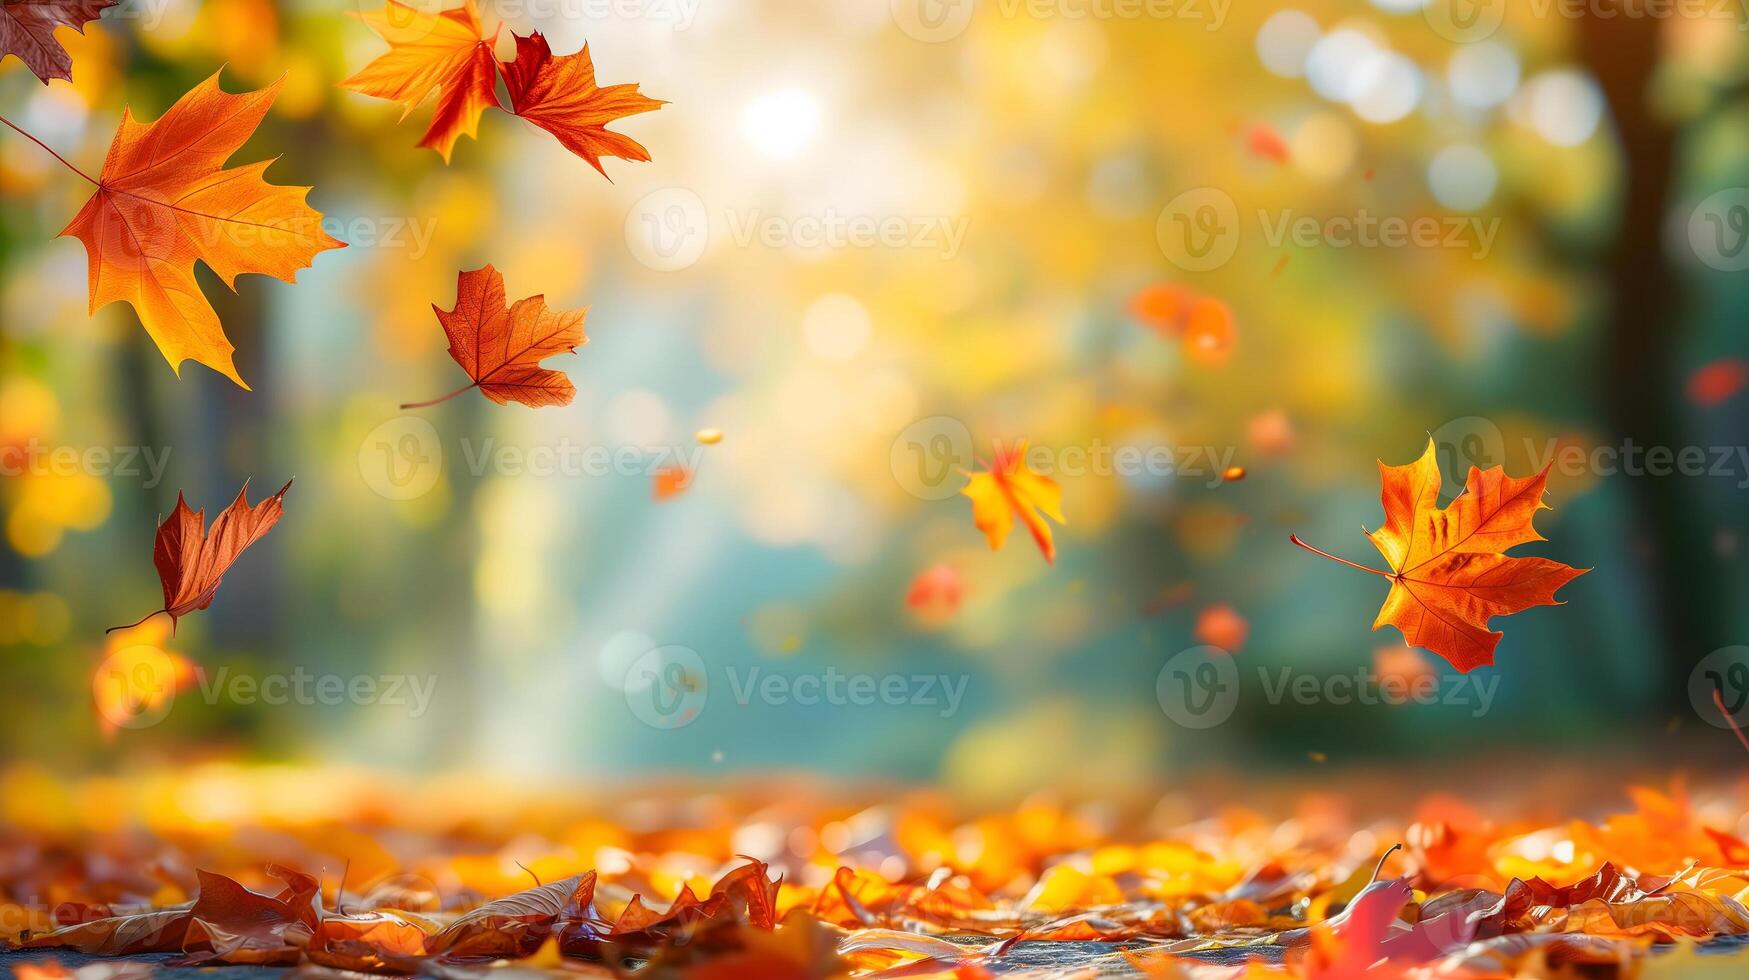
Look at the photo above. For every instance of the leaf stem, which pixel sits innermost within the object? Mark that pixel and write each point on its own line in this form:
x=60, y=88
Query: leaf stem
x=130, y=626
x=438, y=401
x=1296, y=540
x=51, y=152
x=1719, y=699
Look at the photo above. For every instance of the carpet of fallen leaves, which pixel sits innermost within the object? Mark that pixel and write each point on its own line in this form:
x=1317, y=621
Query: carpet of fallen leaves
x=340, y=872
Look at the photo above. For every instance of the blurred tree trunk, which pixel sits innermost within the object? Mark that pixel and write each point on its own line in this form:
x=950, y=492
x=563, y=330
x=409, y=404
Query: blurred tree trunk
x=1640, y=362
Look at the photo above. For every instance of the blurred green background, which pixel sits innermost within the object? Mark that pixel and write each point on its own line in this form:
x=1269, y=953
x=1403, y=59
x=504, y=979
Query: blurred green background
x=1584, y=175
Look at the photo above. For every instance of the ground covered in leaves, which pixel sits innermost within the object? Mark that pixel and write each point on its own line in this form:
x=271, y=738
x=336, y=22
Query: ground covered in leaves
x=330, y=874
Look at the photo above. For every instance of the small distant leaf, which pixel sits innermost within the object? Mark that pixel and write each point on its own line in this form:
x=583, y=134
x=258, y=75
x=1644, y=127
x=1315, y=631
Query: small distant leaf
x=1011, y=489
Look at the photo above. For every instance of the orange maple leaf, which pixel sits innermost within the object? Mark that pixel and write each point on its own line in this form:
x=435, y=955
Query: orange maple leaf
x=192, y=559
x=559, y=95
x=1011, y=489
x=501, y=347
x=444, y=52
x=165, y=200
x=449, y=53
x=27, y=29
x=1449, y=574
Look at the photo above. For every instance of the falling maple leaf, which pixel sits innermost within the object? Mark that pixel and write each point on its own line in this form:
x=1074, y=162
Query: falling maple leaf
x=501, y=346
x=448, y=53
x=444, y=52
x=27, y=29
x=1449, y=574
x=1011, y=488
x=192, y=559
x=164, y=201
x=559, y=95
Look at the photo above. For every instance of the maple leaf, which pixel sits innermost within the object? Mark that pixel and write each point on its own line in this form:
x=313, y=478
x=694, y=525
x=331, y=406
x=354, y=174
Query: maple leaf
x=225, y=923
x=501, y=347
x=165, y=200
x=1449, y=574
x=1011, y=488
x=446, y=53
x=27, y=29
x=192, y=559
x=449, y=53
x=559, y=95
